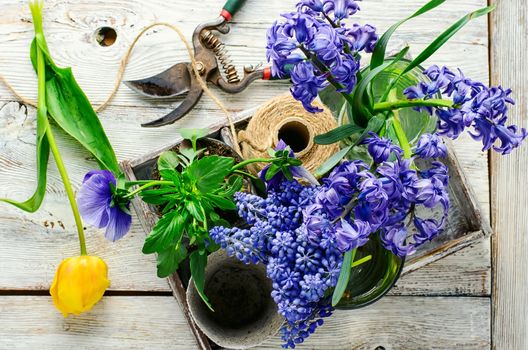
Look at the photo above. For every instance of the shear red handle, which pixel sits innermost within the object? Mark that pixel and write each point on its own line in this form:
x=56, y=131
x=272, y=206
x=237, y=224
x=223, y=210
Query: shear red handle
x=230, y=8
x=266, y=73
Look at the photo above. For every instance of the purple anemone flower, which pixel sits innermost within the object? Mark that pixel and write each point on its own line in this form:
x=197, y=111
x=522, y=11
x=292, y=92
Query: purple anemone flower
x=98, y=206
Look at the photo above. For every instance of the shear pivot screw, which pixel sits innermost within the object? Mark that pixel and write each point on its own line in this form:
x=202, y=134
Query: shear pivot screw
x=200, y=67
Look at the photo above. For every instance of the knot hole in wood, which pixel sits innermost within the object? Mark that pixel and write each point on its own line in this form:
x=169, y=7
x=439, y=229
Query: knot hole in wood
x=106, y=36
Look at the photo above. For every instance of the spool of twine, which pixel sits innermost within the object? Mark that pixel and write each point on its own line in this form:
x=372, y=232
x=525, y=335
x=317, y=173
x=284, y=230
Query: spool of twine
x=285, y=118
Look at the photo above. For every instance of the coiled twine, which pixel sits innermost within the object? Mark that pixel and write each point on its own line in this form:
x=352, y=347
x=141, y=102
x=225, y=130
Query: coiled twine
x=285, y=118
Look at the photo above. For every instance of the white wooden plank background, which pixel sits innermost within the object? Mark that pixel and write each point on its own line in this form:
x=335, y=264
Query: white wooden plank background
x=509, y=56
x=31, y=245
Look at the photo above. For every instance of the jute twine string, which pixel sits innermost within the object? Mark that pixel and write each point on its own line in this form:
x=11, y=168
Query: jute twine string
x=263, y=130
x=121, y=72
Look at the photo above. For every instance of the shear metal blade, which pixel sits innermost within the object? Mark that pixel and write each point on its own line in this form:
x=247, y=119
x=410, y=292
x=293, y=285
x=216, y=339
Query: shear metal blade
x=172, y=82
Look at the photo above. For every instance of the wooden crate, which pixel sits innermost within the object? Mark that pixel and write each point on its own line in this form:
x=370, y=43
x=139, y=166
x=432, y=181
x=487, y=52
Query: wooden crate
x=465, y=225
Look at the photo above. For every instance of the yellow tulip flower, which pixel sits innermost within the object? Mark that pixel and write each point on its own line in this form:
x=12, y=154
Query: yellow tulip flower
x=79, y=284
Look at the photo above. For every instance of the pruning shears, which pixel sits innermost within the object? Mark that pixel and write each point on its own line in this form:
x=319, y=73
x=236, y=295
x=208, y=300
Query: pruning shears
x=208, y=52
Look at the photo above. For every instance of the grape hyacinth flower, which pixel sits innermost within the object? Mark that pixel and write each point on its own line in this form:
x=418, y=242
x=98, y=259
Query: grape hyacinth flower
x=100, y=207
x=476, y=106
x=301, y=269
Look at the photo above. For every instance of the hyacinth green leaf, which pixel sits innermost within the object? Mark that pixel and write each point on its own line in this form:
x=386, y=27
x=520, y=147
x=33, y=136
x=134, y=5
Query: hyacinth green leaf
x=69, y=107
x=344, y=276
x=337, y=134
x=374, y=125
x=198, y=260
x=359, y=108
x=331, y=162
x=332, y=99
x=445, y=36
x=378, y=56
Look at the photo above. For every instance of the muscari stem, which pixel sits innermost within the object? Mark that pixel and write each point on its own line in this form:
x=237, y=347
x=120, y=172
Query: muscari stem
x=55, y=151
x=397, y=104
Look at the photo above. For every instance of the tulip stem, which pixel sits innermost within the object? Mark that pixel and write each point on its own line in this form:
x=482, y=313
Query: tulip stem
x=55, y=150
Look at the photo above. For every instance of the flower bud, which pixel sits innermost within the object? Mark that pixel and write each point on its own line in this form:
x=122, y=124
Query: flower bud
x=79, y=284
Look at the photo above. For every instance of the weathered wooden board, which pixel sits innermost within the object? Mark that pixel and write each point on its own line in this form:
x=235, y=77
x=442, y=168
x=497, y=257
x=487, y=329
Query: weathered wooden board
x=405, y=323
x=117, y=322
x=395, y=323
x=70, y=27
x=509, y=190
x=29, y=251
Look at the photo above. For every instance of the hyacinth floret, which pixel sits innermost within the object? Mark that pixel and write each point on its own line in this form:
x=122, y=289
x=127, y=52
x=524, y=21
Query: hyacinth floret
x=480, y=109
x=314, y=48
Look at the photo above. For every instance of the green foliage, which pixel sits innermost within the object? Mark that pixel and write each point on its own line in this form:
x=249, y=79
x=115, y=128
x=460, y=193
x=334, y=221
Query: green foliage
x=282, y=161
x=378, y=56
x=198, y=260
x=62, y=99
x=344, y=276
x=190, y=193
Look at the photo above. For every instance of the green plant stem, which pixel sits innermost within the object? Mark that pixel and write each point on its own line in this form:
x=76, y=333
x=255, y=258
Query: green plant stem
x=68, y=188
x=250, y=161
x=55, y=151
x=239, y=172
x=397, y=127
x=324, y=70
x=397, y=104
x=402, y=138
x=361, y=261
x=147, y=185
